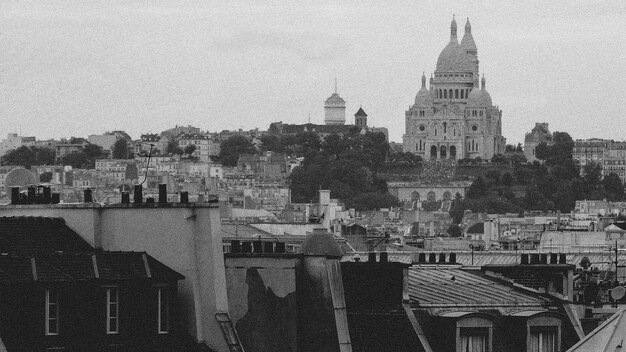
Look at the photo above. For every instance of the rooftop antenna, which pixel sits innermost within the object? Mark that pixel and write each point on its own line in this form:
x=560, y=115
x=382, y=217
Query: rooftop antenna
x=335, y=84
x=147, y=165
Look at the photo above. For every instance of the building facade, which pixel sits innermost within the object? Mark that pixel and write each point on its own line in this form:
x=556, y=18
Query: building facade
x=455, y=118
x=539, y=134
x=609, y=154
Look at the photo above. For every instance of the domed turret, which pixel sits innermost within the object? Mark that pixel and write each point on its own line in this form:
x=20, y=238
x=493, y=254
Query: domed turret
x=467, y=43
x=321, y=242
x=485, y=96
x=453, y=58
x=424, y=97
x=335, y=109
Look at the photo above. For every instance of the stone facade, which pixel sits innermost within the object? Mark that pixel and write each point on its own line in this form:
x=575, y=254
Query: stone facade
x=538, y=135
x=455, y=118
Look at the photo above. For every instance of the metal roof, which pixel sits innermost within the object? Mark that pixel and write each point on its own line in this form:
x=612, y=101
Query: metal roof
x=453, y=287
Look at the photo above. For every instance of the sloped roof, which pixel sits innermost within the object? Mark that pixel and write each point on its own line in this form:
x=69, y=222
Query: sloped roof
x=609, y=336
x=459, y=289
x=360, y=112
x=36, y=235
x=103, y=265
x=477, y=228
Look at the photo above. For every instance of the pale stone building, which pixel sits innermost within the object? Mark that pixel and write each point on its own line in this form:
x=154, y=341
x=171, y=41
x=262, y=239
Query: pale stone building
x=455, y=118
x=335, y=110
x=539, y=134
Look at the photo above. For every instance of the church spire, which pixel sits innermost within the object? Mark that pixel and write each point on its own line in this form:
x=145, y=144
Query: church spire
x=453, y=29
x=432, y=81
x=483, y=82
x=423, y=80
x=468, y=27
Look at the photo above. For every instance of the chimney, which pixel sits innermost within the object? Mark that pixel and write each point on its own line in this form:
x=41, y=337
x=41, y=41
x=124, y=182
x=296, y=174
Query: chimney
x=534, y=258
x=324, y=197
x=257, y=246
x=138, y=194
x=371, y=257
x=554, y=258
x=163, y=193
x=524, y=259
x=87, y=196
x=47, y=195
x=384, y=257
x=125, y=198
x=31, y=195
x=235, y=246
x=15, y=195
x=184, y=197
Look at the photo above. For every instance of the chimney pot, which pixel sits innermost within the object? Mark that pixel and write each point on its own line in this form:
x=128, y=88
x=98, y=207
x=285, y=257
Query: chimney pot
x=125, y=198
x=371, y=257
x=163, y=193
x=384, y=257
x=138, y=194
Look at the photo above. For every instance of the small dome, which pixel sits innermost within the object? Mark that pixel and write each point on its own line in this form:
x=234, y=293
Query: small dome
x=424, y=97
x=479, y=98
x=321, y=242
x=335, y=98
x=454, y=59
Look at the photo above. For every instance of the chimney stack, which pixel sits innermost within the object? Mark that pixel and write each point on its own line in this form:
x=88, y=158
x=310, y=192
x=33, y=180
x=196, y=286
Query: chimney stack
x=138, y=194
x=125, y=198
x=163, y=193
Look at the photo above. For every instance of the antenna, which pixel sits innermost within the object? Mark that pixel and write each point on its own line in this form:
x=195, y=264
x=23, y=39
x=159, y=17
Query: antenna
x=147, y=165
x=335, y=84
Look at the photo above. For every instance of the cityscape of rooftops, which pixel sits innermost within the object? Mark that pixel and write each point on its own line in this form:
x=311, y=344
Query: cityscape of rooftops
x=191, y=176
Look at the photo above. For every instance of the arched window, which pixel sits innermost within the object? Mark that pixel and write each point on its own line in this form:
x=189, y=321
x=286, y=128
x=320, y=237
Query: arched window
x=450, y=93
x=456, y=94
x=445, y=94
x=445, y=127
x=462, y=94
x=435, y=132
x=433, y=152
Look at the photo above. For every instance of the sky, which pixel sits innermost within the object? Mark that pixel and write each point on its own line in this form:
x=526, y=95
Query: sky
x=78, y=67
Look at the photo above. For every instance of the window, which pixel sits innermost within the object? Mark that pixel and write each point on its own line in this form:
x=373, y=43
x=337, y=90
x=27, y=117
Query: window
x=113, y=320
x=543, y=340
x=52, y=312
x=164, y=310
x=474, y=340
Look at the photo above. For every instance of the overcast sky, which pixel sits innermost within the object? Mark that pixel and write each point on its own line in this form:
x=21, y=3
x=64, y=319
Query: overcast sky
x=77, y=67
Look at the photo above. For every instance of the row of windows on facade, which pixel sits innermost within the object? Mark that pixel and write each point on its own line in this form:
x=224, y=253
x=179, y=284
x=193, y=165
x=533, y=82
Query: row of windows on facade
x=452, y=93
x=451, y=75
x=54, y=311
x=422, y=128
x=420, y=146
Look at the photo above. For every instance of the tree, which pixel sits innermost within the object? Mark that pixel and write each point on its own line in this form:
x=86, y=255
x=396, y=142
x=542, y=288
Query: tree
x=613, y=186
x=189, y=149
x=121, y=150
x=94, y=151
x=232, y=148
x=478, y=189
x=592, y=174
x=457, y=210
x=454, y=231
x=27, y=156
x=507, y=179
x=78, y=160
x=271, y=142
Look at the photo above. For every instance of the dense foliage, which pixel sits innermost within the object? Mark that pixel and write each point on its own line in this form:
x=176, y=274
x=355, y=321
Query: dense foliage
x=346, y=165
x=121, y=150
x=28, y=156
x=232, y=148
x=554, y=184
